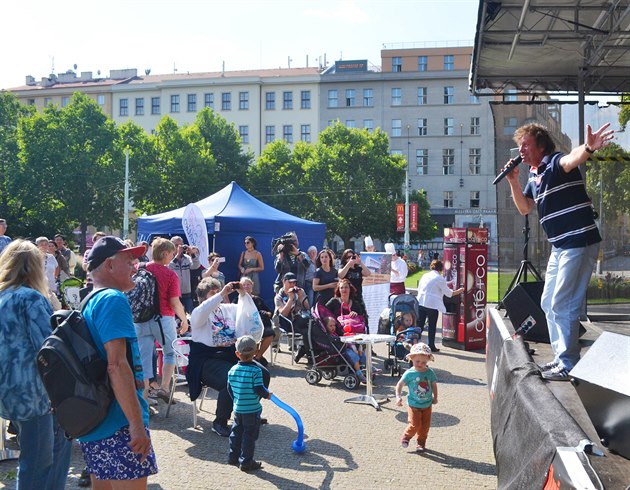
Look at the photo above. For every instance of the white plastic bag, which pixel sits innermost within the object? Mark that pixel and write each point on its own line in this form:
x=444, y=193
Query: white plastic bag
x=248, y=321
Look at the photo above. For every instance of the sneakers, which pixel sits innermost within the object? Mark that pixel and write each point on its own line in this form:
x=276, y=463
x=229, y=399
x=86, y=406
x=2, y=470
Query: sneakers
x=558, y=373
x=164, y=396
x=220, y=429
x=419, y=448
x=404, y=443
x=251, y=466
x=361, y=377
x=549, y=366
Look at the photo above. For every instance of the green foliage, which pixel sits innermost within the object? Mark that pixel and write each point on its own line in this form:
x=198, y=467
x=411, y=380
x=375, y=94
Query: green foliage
x=624, y=113
x=615, y=183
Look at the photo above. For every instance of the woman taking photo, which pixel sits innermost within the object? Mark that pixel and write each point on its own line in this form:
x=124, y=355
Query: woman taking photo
x=265, y=315
x=251, y=263
x=325, y=280
x=354, y=270
x=24, y=325
x=431, y=289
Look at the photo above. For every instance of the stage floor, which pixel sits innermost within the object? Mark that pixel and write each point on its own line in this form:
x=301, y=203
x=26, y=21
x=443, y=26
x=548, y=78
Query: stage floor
x=613, y=470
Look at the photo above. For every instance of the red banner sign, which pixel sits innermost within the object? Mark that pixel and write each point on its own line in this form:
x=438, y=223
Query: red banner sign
x=400, y=217
x=413, y=216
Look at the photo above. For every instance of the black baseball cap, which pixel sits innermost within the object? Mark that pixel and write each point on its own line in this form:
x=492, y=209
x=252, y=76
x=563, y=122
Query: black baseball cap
x=107, y=247
x=289, y=276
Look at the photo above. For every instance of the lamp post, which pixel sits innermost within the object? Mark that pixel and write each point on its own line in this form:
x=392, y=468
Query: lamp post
x=406, y=236
x=126, y=203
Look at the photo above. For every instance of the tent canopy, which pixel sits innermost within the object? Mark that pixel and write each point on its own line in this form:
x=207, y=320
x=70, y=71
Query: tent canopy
x=230, y=215
x=535, y=46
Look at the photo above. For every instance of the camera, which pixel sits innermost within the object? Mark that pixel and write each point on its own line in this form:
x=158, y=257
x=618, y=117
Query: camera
x=287, y=241
x=185, y=248
x=236, y=285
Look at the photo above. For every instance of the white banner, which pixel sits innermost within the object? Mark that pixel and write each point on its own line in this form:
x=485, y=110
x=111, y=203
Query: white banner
x=376, y=285
x=194, y=225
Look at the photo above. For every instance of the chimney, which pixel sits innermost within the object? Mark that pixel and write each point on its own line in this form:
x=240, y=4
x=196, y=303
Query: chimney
x=30, y=80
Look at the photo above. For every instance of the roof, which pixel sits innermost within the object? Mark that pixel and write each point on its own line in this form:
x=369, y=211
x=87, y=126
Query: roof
x=267, y=73
x=552, y=45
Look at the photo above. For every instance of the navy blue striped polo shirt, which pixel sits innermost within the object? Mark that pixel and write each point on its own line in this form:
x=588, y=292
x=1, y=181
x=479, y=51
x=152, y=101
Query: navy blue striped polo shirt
x=564, y=209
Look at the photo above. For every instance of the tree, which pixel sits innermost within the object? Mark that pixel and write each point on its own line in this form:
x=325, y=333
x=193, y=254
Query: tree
x=354, y=179
x=11, y=111
x=624, y=113
x=225, y=144
x=182, y=169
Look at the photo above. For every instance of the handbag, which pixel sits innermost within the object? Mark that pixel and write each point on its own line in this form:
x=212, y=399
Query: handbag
x=356, y=323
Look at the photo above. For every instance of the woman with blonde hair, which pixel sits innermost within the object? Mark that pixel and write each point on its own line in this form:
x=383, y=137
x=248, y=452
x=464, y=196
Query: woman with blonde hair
x=24, y=325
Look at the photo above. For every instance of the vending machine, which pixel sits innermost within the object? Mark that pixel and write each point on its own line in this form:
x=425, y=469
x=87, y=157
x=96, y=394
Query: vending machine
x=466, y=265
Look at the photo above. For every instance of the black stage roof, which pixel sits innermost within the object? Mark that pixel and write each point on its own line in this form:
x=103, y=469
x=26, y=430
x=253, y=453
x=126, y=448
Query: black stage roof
x=537, y=46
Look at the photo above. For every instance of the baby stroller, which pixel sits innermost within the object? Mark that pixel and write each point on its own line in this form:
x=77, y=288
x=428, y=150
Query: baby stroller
x=398, y=305
x=325, y=352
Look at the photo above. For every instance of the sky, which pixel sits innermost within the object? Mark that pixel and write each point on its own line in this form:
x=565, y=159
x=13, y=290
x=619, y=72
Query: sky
x=39, y=37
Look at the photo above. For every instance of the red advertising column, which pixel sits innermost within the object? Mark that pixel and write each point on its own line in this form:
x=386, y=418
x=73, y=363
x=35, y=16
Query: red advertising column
x=466, y=265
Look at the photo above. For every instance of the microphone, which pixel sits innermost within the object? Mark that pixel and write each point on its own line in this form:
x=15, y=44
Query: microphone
x=508, y=168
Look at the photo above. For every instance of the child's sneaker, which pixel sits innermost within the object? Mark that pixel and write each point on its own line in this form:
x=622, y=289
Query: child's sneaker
x=419, y=448
x=404, y=443
x=361, y=377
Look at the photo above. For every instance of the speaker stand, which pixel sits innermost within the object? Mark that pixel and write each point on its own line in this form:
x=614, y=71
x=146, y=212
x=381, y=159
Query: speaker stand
x=526, y=266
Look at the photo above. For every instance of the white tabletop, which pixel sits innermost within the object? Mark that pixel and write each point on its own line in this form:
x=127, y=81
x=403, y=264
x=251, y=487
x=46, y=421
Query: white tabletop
x=368, y=338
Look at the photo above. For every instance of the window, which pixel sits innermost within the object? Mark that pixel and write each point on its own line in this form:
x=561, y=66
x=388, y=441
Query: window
x=448, y=95
x=351, y=123
x=396, y=64
x=208, y=100
x=368, y=97
x=448, y=199
x=100, y=100
x=510, y=95
x=422, y=126
x=422, y=161
x=449, y=62
x=270, y=134
x=448, y=161
x=226, y=101
x=305, y=133
x=140, y=106
x=396, y=96
x=243, y=101
x=449, y=125
x=332, y=98
x=351, y=97
x=192, y=102
x=243, y=131
x=48, y=100
x=474, y=125
x=174, y=103
x=474, y=161
x=287, y=133
x=155, y=105
x=31, y=102
x=369, y=125
x=422, y=95
x=509, y=125
x=475, y=199
x=287, y=100
x=422, y=63
x=65, y=101
x=270, y=101
x=124, y=107
x=396, y=127
x=474, y=99
x=305, y=99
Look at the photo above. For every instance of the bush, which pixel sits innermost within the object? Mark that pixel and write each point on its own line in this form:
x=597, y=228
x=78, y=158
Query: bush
x=609, y=286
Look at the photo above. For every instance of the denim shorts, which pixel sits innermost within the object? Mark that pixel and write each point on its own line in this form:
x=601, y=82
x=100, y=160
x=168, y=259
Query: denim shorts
x=148, y=333
x=111, y=458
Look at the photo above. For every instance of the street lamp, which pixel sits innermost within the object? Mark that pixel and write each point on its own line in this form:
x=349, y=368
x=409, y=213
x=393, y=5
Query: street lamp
x=406, y=236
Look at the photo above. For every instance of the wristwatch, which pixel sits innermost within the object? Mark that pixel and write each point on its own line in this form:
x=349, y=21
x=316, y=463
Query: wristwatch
x=588, y=150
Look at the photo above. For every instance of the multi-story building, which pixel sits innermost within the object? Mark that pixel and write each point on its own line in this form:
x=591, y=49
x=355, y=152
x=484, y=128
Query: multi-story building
x=420, y=97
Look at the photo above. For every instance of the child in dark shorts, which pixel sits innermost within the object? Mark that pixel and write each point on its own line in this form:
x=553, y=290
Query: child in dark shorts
x=246, y=387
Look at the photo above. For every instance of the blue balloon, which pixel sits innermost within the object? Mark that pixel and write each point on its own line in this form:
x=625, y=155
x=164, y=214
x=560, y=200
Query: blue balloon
x=298, y=445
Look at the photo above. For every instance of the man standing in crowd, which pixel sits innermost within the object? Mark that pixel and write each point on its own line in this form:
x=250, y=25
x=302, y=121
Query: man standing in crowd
x=398, y=273
x=565, y=211
x=62, y=247
x=291, y=259
x=4, y=240
x=120, y=447
x=182, y=264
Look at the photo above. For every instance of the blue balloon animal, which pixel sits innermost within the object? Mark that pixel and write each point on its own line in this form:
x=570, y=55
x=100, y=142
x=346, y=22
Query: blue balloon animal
x=298, y=445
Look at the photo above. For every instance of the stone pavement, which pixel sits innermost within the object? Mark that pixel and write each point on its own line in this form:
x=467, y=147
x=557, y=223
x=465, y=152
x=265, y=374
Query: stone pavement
x=348, y=446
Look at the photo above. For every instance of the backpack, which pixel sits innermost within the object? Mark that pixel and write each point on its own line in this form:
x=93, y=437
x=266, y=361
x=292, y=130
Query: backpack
x=144, y=298
x=74, y=374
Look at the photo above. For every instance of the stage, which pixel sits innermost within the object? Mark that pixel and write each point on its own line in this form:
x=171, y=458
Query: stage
x=530, y=417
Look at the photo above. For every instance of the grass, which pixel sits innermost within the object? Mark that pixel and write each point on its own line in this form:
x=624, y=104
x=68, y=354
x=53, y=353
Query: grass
x=492, y=286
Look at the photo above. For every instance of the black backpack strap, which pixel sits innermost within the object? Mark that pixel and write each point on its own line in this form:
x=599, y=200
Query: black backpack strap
x=93, y=293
